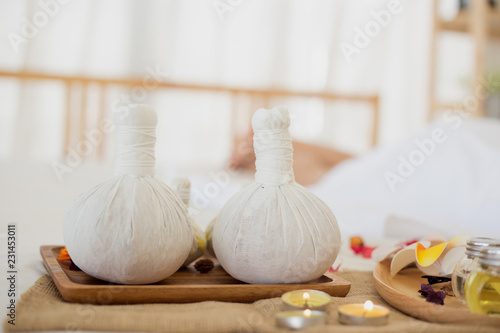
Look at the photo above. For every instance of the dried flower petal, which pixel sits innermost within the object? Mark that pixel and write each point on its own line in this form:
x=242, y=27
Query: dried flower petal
x=334, y=270
x=357, y=249
x=356, y=241
x=63, y=254
x=431, y=279
x=204, y=265
x=365, y=251
x=432, y=296
x=409, y=242
x=73, y=267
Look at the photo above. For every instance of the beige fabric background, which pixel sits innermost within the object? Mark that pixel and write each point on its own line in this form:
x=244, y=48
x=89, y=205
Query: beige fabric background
x=42, y=308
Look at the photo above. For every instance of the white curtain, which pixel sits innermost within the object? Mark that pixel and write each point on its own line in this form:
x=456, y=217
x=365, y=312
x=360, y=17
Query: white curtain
x=257, y=44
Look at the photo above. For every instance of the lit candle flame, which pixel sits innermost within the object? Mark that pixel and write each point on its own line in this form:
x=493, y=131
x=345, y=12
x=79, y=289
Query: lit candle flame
x=368, y=307
x=306, y=296
x=307, y=313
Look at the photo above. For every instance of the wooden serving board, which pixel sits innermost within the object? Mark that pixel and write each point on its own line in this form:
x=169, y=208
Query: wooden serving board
x=402, y=293
x=185, y=286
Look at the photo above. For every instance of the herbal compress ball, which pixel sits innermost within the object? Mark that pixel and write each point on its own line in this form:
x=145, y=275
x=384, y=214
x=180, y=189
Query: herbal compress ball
x=275, y=230
x=132, y=228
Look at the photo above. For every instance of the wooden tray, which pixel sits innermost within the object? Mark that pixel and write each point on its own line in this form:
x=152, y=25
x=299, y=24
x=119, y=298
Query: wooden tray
x=402, y=293
x=185, y=286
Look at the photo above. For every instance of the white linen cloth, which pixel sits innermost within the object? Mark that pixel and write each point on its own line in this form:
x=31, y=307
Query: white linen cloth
x=455, y=189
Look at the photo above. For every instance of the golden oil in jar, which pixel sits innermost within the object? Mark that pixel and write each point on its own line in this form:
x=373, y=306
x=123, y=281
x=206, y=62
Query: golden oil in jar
x=482, y=288
x=468, y=264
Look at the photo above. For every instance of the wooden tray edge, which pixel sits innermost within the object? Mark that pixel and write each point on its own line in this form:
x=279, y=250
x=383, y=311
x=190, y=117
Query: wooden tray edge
x=61, y=280
x=338, y=287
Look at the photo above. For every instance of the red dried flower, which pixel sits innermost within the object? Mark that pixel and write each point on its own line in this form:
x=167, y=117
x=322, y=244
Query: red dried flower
x=365, y=251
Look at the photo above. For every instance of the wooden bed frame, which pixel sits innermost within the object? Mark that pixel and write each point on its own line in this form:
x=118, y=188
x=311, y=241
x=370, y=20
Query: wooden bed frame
x=80, y=114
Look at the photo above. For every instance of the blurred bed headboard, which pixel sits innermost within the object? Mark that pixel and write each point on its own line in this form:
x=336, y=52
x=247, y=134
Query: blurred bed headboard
x=78, y=114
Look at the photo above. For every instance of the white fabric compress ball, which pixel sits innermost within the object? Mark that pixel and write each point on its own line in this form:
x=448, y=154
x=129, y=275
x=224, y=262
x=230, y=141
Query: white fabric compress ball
x=275, y=230
x=132, y=228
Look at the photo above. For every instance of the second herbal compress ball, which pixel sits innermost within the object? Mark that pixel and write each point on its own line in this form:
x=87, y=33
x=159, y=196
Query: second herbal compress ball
x=275, y=230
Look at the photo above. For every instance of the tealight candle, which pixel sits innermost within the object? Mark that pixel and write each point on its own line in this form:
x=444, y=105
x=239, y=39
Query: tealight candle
x=363, y=314
x=305, y=299
x=297, y=320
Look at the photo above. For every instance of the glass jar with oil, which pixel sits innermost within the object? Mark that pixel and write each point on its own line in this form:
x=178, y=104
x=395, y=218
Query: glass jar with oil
x=482, y=288
x=468, y=264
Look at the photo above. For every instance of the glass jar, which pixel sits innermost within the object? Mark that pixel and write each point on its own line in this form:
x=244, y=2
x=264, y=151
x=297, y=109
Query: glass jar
x=482, y=288
x=468, y=263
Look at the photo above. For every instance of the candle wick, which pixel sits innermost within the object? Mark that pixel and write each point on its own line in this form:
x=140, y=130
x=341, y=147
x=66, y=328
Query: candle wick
x=306, y=305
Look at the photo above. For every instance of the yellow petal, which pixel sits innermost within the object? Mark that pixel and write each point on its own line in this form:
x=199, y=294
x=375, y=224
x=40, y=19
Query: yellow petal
x=404, y=257
x=426, y=257
x=201, y=243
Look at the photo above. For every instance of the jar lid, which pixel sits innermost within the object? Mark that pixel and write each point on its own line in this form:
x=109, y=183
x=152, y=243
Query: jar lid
x=475, y=244
x=490, y=256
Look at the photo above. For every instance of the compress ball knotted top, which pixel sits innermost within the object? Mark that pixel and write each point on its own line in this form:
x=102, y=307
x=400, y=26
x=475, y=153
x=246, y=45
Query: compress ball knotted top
x=273, y=119
x=273, y=146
